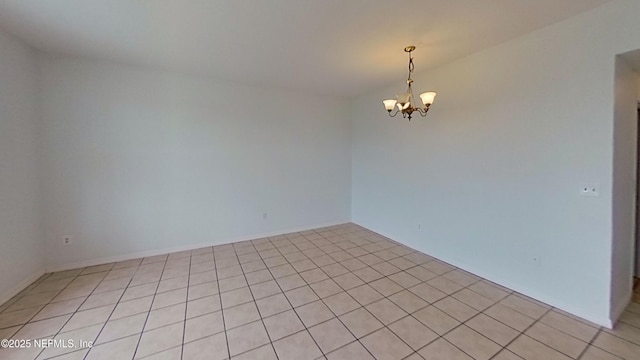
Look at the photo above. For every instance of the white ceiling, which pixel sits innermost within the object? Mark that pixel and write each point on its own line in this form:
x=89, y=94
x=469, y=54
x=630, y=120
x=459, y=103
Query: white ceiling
x=340, y=47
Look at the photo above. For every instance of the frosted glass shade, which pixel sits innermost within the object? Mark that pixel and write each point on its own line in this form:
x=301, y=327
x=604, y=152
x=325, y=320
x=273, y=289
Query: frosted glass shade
x=404, y=101
x=389, y=104
x=428, y=98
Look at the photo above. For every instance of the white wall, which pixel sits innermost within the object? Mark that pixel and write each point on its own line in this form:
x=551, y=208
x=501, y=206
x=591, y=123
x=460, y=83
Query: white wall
x=625, y=130
x=21, y=250
x=137, y=160
x=493, y=173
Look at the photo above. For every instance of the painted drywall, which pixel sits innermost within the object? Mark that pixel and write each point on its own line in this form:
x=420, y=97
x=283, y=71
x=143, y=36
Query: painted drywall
x=136, y=160
x=21, y=245
x=493, y=174
x=625, y=129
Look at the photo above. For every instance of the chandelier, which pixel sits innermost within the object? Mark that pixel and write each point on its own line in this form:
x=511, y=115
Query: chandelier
x=405, y=102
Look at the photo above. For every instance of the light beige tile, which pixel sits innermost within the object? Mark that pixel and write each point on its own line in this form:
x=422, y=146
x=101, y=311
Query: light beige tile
x=365, y=294
x=265, y=352
x=236, y=297
x=302, y=265
x=232, y=283
x=41, y=329
x=473, y=299
x=456, y=309
x=301, y=296
x=341, y=303
x=174, y=283
x=282, y=270
x=443, y=284
x=331, y=335
x=259, y=276
x=240, y=315
x=119, y=349
x=360, y=322
x=314, y=313
x=132, y=307
x=529, y=348
x=348, y=281
x=385, y=268
x=570, y=326
x=80, y=337
x=441, y=349
x=203, y=306
x=88, y=317
x=7, y=333
x=299, y=346
x=18, y=317
x=213, y=347
x=510, y=317
x=549, y=336
x=203, y=326
x=59, y=308
x=472, y=343
x=523, y=306
x=353, y=351
x=627, y=332
x=438, y=267
x=32, y=300
x=291, y=282
x=436, y=320
x=616, y=345
x=115, y=284
x=368, y=274
x=123, y=327
x=201, y=290
x=334, y=269
x=427, y=293
x=506, y=355
x=353, y=264
x=488, y=290
x=412, y=332
x=265, y=289
x=421, y=273
x=408, y=301
x=594, y=353
x=460, y=277
x=325, y=288
x=386, y=311
x=404, y=279
x=139, y=291
x=161, y=339
x=169, y=298
x=493, y=329
x=384, y=345
x=386, y=287
x=273, y=305
x=165, y=316
x=402, y=263
x=282, y=325
x=228, y=271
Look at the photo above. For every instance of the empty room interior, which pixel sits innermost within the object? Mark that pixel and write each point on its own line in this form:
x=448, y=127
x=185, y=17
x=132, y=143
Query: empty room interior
x=303, y=180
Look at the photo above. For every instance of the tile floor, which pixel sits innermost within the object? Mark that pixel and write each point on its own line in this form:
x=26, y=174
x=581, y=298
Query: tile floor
x=334, y=293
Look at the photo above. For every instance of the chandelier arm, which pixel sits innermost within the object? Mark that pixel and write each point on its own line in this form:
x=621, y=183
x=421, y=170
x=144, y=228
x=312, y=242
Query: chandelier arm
x=423, y=112
x=394, y=113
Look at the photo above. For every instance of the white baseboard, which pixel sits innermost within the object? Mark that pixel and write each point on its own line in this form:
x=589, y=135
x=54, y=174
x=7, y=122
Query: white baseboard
x=599, y=320
x=7, y=295
x=148, y=253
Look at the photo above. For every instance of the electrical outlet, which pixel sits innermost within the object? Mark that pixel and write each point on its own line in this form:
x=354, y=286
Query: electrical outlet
x=592, y=190
x=66, y=241
x=419, y=226
x=265, y=216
